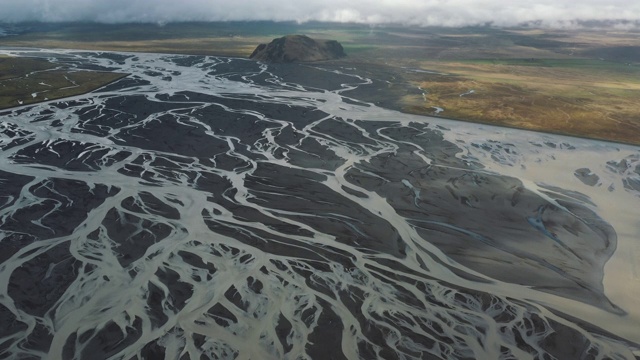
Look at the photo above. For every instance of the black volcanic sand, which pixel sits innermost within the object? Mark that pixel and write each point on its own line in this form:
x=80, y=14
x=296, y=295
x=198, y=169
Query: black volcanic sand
x=478, y=219
x=487, y=234
x=489, y=223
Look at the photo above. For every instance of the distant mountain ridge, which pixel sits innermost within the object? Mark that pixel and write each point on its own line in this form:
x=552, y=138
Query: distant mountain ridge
x=298, y=48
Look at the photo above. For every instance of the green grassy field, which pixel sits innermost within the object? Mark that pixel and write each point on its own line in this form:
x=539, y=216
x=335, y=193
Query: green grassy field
x=583, y=83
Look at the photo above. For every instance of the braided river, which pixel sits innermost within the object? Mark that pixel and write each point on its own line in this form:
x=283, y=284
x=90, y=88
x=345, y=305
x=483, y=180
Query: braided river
x=221, y=208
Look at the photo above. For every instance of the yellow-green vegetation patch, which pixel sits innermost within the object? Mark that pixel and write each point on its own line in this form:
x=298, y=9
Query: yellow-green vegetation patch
x=26, y=81
x=352, y=49
x=581, y=98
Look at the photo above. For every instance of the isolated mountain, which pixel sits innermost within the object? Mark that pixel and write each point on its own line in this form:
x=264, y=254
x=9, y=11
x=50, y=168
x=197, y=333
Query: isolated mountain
x=298, y=48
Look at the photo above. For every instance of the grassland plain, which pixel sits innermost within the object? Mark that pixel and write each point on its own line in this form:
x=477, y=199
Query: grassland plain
x=582, y=82
x=571, y=98
x=26, y=81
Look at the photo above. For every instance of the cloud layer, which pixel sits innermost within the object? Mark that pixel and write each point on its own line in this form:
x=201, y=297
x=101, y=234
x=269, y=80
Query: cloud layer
x=553, y=13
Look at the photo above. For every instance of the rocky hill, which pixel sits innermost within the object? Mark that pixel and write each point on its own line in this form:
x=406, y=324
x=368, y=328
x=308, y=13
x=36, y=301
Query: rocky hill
x=298, y=48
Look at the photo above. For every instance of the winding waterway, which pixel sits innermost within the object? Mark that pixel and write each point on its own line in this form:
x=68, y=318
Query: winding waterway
x=221, y=208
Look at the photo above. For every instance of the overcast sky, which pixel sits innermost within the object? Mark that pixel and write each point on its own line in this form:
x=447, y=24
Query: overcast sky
x=418, y=12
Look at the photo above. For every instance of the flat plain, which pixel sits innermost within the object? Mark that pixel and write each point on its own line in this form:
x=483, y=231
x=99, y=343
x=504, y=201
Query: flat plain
x=27, y=81
x=574, y=82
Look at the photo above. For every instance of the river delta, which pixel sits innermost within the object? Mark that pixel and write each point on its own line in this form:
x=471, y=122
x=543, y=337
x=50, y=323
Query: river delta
x=225, y=208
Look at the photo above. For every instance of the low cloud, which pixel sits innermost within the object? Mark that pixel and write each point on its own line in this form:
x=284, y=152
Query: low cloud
x=546, y=13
